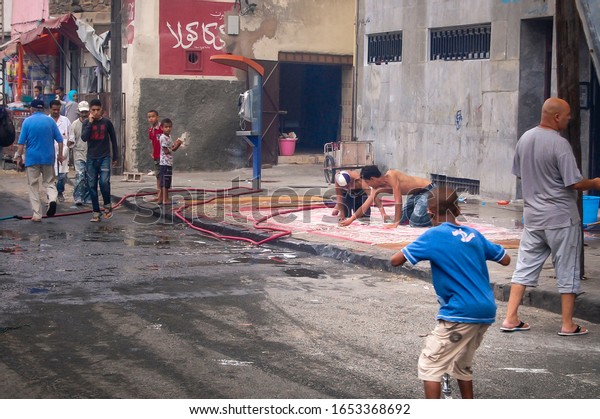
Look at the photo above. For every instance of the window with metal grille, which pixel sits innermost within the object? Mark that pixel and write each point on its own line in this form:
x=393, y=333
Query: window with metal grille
x=470, y=186
x=460, y=43
x=384, y=48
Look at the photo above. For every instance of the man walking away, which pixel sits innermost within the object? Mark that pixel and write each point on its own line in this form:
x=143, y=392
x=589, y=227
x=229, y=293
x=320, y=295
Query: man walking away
x=38, y=134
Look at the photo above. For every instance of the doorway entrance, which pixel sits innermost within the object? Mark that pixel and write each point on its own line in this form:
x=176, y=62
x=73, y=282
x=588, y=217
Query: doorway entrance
x=310, y=94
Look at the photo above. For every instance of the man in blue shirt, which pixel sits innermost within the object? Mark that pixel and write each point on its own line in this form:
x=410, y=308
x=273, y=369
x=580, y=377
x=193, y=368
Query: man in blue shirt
x=38, y=134
x=461, y=281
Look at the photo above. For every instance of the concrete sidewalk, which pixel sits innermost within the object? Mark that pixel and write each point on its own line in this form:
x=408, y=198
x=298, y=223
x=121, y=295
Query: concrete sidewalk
x=307, y=180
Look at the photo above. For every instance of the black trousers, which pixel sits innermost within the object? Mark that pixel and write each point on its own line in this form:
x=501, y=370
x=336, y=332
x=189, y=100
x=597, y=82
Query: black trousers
x=353, y=200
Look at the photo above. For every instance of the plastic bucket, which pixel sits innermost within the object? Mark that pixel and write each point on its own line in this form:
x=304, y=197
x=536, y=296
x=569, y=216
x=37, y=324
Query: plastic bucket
x=287, y=146
x=590, y=209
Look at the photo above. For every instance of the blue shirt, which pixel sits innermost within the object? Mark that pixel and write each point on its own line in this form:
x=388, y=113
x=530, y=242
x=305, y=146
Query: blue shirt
x=38, y=134
x=461, y=280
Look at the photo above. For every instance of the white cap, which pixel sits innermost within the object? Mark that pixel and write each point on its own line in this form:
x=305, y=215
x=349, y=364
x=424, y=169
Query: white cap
x=83, y=106
x=342, y=178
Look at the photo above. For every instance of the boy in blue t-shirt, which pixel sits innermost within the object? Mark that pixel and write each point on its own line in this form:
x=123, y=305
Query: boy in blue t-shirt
x=461, y=281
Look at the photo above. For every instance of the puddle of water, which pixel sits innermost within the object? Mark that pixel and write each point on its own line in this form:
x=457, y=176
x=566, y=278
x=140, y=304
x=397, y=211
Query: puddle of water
x=38, y=290
x=258, y=261
x=303, y=272
x=234, y=363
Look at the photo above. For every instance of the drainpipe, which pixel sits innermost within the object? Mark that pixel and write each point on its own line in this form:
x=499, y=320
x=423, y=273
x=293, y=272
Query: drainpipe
x=116, y=88
x=355, y=82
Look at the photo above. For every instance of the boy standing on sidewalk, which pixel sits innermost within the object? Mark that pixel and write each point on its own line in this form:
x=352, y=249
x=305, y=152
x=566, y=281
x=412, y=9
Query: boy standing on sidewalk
x=166, y=160
x=154, y=132
x=462, y=285
x=99, y=134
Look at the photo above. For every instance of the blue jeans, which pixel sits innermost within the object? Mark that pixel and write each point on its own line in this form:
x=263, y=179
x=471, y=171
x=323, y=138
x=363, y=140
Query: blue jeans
x=98, y=170
x=60, y=183
x=414, y=211
x=81, y=193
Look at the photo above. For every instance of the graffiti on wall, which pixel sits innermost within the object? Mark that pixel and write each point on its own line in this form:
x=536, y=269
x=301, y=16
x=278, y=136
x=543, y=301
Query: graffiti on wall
x=190, y=33
x=210, y=34
x=458, y=118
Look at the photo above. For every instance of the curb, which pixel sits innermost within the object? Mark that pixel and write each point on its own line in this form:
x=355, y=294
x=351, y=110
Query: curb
x=586, y=307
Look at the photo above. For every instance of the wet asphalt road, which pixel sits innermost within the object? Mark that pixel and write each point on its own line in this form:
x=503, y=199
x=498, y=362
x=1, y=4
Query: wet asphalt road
x=127, y=310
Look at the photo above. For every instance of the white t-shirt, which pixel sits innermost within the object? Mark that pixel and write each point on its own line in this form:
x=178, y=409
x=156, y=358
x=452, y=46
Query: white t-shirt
x=64, y=126
x=165, y=159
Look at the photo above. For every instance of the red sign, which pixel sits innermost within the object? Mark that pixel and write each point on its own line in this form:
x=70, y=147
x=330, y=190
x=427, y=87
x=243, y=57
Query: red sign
x=190, y=33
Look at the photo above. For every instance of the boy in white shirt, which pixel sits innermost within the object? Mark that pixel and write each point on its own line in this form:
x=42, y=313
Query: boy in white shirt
x=64, y=126
x=166, y=159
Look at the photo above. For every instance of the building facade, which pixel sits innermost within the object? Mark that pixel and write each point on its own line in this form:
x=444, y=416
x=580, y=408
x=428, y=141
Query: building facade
x=445, y=88
x=305, y=46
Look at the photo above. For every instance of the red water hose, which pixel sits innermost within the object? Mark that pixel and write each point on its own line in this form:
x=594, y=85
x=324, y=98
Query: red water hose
x=220, y=193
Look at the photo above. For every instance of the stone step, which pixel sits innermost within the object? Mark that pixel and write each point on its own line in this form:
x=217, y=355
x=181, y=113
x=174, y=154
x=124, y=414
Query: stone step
x=301, y=158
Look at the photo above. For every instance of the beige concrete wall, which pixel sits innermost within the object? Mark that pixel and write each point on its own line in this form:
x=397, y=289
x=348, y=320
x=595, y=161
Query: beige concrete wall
x=315, y=26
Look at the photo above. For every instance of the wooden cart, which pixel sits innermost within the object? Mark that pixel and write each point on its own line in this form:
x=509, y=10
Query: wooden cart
x=343, y=155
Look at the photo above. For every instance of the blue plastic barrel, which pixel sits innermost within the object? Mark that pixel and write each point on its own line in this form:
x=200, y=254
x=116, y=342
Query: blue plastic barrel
x=590, y=209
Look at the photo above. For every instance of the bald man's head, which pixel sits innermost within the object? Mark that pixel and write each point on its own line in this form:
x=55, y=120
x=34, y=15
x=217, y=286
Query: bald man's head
x=556, y=114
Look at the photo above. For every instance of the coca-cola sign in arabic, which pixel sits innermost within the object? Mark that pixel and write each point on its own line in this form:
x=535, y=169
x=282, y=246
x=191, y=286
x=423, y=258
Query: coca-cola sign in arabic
x=190, y=33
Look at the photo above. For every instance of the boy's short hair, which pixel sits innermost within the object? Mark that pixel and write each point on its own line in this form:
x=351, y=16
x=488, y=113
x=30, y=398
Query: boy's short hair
x=95, y=102
x=152, y=111
x=442, y=200
x=55, y=102
x=369, y=172
x=166, y=121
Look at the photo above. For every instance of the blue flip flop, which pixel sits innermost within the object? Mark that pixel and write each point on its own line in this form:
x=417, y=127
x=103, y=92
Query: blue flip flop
x=521, y=327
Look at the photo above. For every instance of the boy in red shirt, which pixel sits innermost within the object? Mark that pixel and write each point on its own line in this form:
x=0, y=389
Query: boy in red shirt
x=154, y=133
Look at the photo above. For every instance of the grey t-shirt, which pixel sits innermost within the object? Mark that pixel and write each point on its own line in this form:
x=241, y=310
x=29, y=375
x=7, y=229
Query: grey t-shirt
x=546, y=165
x=80, y=147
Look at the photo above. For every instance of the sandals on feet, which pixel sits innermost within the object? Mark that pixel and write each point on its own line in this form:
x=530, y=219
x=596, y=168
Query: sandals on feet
x=578, y=331
x=521, y=327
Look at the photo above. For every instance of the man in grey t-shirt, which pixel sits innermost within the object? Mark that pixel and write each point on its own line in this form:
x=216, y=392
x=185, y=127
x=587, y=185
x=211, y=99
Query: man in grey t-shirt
x=545, y=163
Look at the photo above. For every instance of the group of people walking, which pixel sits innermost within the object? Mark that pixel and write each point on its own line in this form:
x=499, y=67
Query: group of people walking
x=43, y=149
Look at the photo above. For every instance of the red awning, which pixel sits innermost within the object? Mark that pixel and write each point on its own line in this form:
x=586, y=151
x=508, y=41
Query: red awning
x=39, y=39
x=238, y=61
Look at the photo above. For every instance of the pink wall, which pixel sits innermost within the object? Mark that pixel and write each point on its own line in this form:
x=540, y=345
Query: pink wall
x=27, y=14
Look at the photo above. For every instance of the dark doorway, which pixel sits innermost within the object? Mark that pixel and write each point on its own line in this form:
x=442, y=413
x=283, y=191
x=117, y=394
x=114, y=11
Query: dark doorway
x=594, y=129
x=311, y=96
x=535, y=70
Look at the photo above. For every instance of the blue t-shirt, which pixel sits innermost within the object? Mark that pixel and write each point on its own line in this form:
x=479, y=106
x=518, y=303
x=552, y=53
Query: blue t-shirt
x=461, y=280
x=38, y=134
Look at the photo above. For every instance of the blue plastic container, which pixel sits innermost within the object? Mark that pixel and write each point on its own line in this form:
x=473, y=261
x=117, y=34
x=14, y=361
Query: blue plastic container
x=590, y=209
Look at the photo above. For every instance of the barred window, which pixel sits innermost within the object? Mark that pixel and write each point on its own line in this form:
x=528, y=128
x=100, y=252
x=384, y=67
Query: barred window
x=460, y=43
x=384, y=48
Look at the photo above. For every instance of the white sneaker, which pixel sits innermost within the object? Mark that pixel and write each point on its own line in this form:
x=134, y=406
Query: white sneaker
x=151, y=173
